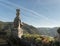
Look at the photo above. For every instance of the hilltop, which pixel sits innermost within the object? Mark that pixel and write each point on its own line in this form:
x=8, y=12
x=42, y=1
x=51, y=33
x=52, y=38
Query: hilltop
x=26, y=28
x=31, y=29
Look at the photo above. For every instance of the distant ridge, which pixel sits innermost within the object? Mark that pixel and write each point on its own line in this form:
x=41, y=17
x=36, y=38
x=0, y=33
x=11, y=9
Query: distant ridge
x=31, y=29
x=26, y=28
x=48, y=31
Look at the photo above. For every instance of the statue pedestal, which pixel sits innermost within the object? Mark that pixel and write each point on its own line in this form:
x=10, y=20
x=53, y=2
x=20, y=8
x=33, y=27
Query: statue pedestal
x=17, y=33
x=20, y=32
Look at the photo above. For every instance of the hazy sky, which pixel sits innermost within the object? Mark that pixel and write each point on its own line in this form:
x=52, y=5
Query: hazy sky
x=39, y=13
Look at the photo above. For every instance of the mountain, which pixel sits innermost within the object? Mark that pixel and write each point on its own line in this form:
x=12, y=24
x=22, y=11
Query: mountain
x=30, y=29
x=48, y=31
x=26, y=28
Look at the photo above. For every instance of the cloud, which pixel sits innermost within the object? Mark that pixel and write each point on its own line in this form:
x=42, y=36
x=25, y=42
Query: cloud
x=47, y=2
x=31, y=11
x=6, y=6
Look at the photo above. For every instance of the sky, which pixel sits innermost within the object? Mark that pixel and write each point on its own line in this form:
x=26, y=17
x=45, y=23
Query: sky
x=38, y=13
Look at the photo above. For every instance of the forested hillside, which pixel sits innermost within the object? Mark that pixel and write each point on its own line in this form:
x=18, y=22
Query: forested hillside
x=26, y=28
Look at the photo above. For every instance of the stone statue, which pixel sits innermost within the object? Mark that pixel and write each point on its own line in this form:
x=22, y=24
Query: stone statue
x=17, y=19
x=18, y=32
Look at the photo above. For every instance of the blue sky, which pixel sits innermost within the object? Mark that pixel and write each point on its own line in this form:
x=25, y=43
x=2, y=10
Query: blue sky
x=39, y=13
